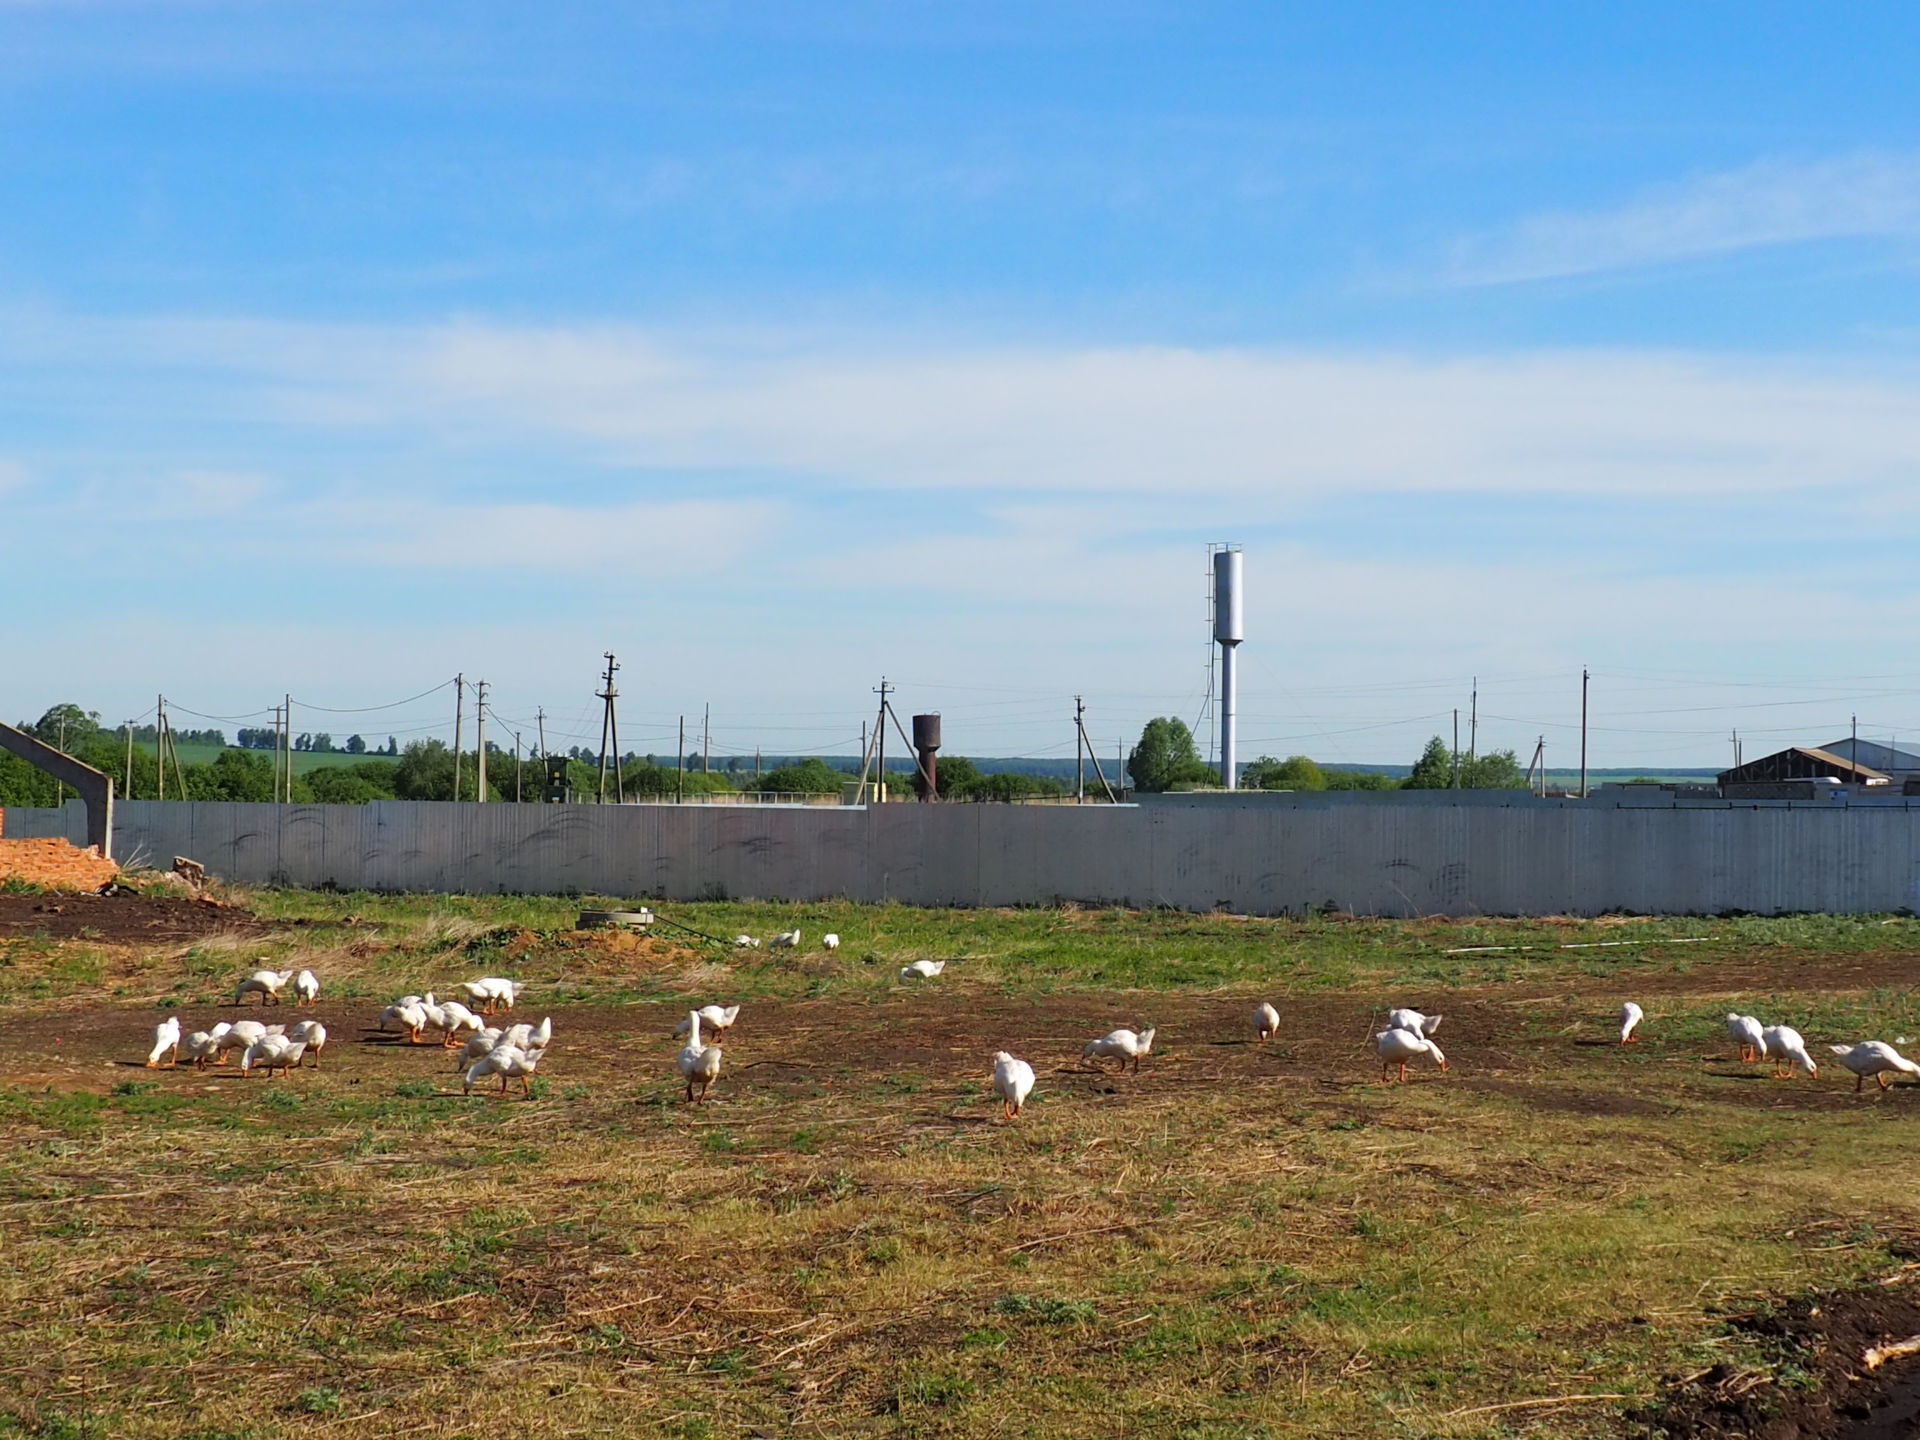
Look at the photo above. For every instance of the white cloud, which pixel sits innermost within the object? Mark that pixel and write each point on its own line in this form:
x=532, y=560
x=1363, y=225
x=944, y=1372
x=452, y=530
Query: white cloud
x=1771, y=202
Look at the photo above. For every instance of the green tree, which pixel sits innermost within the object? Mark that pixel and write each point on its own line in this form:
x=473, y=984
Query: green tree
x=811, y=776
x=1296, y=772
x=1434, y=769
x=959, y=777
x=352, y=784
x=1166, y=757
x=1360, y=780
x=68, y=726
x=1496, y=770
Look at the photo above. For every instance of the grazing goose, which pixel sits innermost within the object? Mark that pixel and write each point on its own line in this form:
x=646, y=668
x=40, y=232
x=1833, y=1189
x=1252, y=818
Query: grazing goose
x=530, y=1037
x=1875, y=1058
x=1266, y=1022
x=1413, y=1020
x=477, y=1045
x=1784, y=1044
x=745, y=942
x=1747, y=1033
x=697, y=1062
x=1122, y=1044
x=274, y=1052
x=166, y=1037
x=1012, y=1082
x=1397, y=1047
x=242, y=1033
x=455, y=1018
x=717, y=1018
x=313, y=1035
x=491, y=991
x=922, y=969
x=200, y=1047
x=508, y=1062
x=408, y=1016
x=829, y=942
x=1630, y=1016
x=785, y=940
x=264, y=983
x=306, y=988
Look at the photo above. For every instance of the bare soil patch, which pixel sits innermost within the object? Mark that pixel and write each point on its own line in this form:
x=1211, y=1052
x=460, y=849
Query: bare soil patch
x=122, y=919
x=1827, y=1336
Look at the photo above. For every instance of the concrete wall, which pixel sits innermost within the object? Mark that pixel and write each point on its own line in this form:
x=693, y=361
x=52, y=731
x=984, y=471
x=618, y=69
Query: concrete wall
x=1416, y=858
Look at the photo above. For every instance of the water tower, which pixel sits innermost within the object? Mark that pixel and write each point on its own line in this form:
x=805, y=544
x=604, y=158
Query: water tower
x=1229, y=629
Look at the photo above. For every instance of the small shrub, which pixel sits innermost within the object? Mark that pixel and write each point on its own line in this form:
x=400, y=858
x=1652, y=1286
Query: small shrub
x=318, y=1400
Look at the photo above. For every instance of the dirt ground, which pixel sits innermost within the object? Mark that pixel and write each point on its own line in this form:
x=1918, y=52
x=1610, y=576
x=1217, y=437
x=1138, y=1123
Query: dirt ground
x=121, y=919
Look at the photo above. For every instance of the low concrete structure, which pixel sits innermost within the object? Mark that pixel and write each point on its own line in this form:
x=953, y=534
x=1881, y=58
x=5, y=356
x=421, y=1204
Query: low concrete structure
x=95, y=787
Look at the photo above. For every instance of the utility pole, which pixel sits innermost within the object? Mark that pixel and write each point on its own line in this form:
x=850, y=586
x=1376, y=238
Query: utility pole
x=1079, y=752
x=609, y=727
x=160, y=755
x=480, y=740
x=1583, y=731
x=880, y=740
x=706, y=738
x=756, y=762
x=1456, y=747
x=680, y=766
x=1853, y=745
x=1473, y=723
x=459, y=702
x=127, y=788
x=540, y=717
x=1120, y=765
x=516, y=767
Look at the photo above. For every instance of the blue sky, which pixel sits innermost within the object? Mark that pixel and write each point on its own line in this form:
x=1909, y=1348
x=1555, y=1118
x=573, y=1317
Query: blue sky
x=347, y=346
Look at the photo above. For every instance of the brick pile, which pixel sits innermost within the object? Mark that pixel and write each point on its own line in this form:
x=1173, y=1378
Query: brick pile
x=55, y=864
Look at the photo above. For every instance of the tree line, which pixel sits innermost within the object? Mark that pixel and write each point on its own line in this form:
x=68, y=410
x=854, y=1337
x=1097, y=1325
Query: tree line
x=425, y=770
x=1166, y=758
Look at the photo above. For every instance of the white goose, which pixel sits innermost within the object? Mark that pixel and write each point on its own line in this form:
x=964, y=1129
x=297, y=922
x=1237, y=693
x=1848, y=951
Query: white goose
x=829, y=942
x=745, y=942
x=785, y=940
x=266, y=984
x=166, y=1036
x=410, y=1016
x=1748, y=1034
x=1397, y=1047
x=1630, y=1016
x=508, y=1062
x=1012, y=1082
x=200, y=1047
x=455, y=1018
x=306, y=988
x=922, y=969
x=1784, y=1044
x=240, y=1034
x=313, y=1035
x=697, y=1062
x=1123, y=1044
x=1875, y=1058
x=274, y=1052
x=1266, y=1022
x=1413, y=1020
x=477, y=1045
x=717, y=1018
x=492, y=990
x=530, y=1037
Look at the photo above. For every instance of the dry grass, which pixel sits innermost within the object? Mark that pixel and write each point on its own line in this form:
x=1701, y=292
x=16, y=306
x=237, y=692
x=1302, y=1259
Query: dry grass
x=1238, y=1242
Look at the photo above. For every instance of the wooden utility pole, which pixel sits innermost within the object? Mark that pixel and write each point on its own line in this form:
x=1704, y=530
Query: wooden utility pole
x=1456, y=747
x=880, y=740
x=516, y=767
x=540, y=718
x=680, y=765
x=459, y=706
x=480, y=740
x=1473, y=723
x=1583, y=732
x=706, y=739
x=1079, y=752
x=160, y=755
x=127, y=788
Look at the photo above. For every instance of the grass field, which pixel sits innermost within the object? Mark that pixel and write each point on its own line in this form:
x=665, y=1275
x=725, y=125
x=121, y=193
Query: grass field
x=1241, y=1240
x=304, y=761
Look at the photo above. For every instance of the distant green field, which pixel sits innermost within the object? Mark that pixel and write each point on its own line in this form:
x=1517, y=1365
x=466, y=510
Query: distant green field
x=303, y=760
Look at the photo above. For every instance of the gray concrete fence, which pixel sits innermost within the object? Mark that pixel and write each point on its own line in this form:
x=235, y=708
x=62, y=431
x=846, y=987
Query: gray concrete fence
x=1388, y=855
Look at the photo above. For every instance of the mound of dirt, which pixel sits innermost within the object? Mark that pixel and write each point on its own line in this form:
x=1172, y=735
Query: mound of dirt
x=1827, y=1337
x=630, y=949
x=120, y=919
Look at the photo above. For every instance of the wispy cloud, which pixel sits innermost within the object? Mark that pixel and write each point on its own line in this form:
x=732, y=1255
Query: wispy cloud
x=1771, y=202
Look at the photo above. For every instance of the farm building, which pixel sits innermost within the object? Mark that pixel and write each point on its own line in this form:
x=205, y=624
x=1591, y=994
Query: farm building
x=1802, y=762
x=1896, y=764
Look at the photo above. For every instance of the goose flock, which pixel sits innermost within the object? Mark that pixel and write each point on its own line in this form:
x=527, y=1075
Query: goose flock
x=484, y=1050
